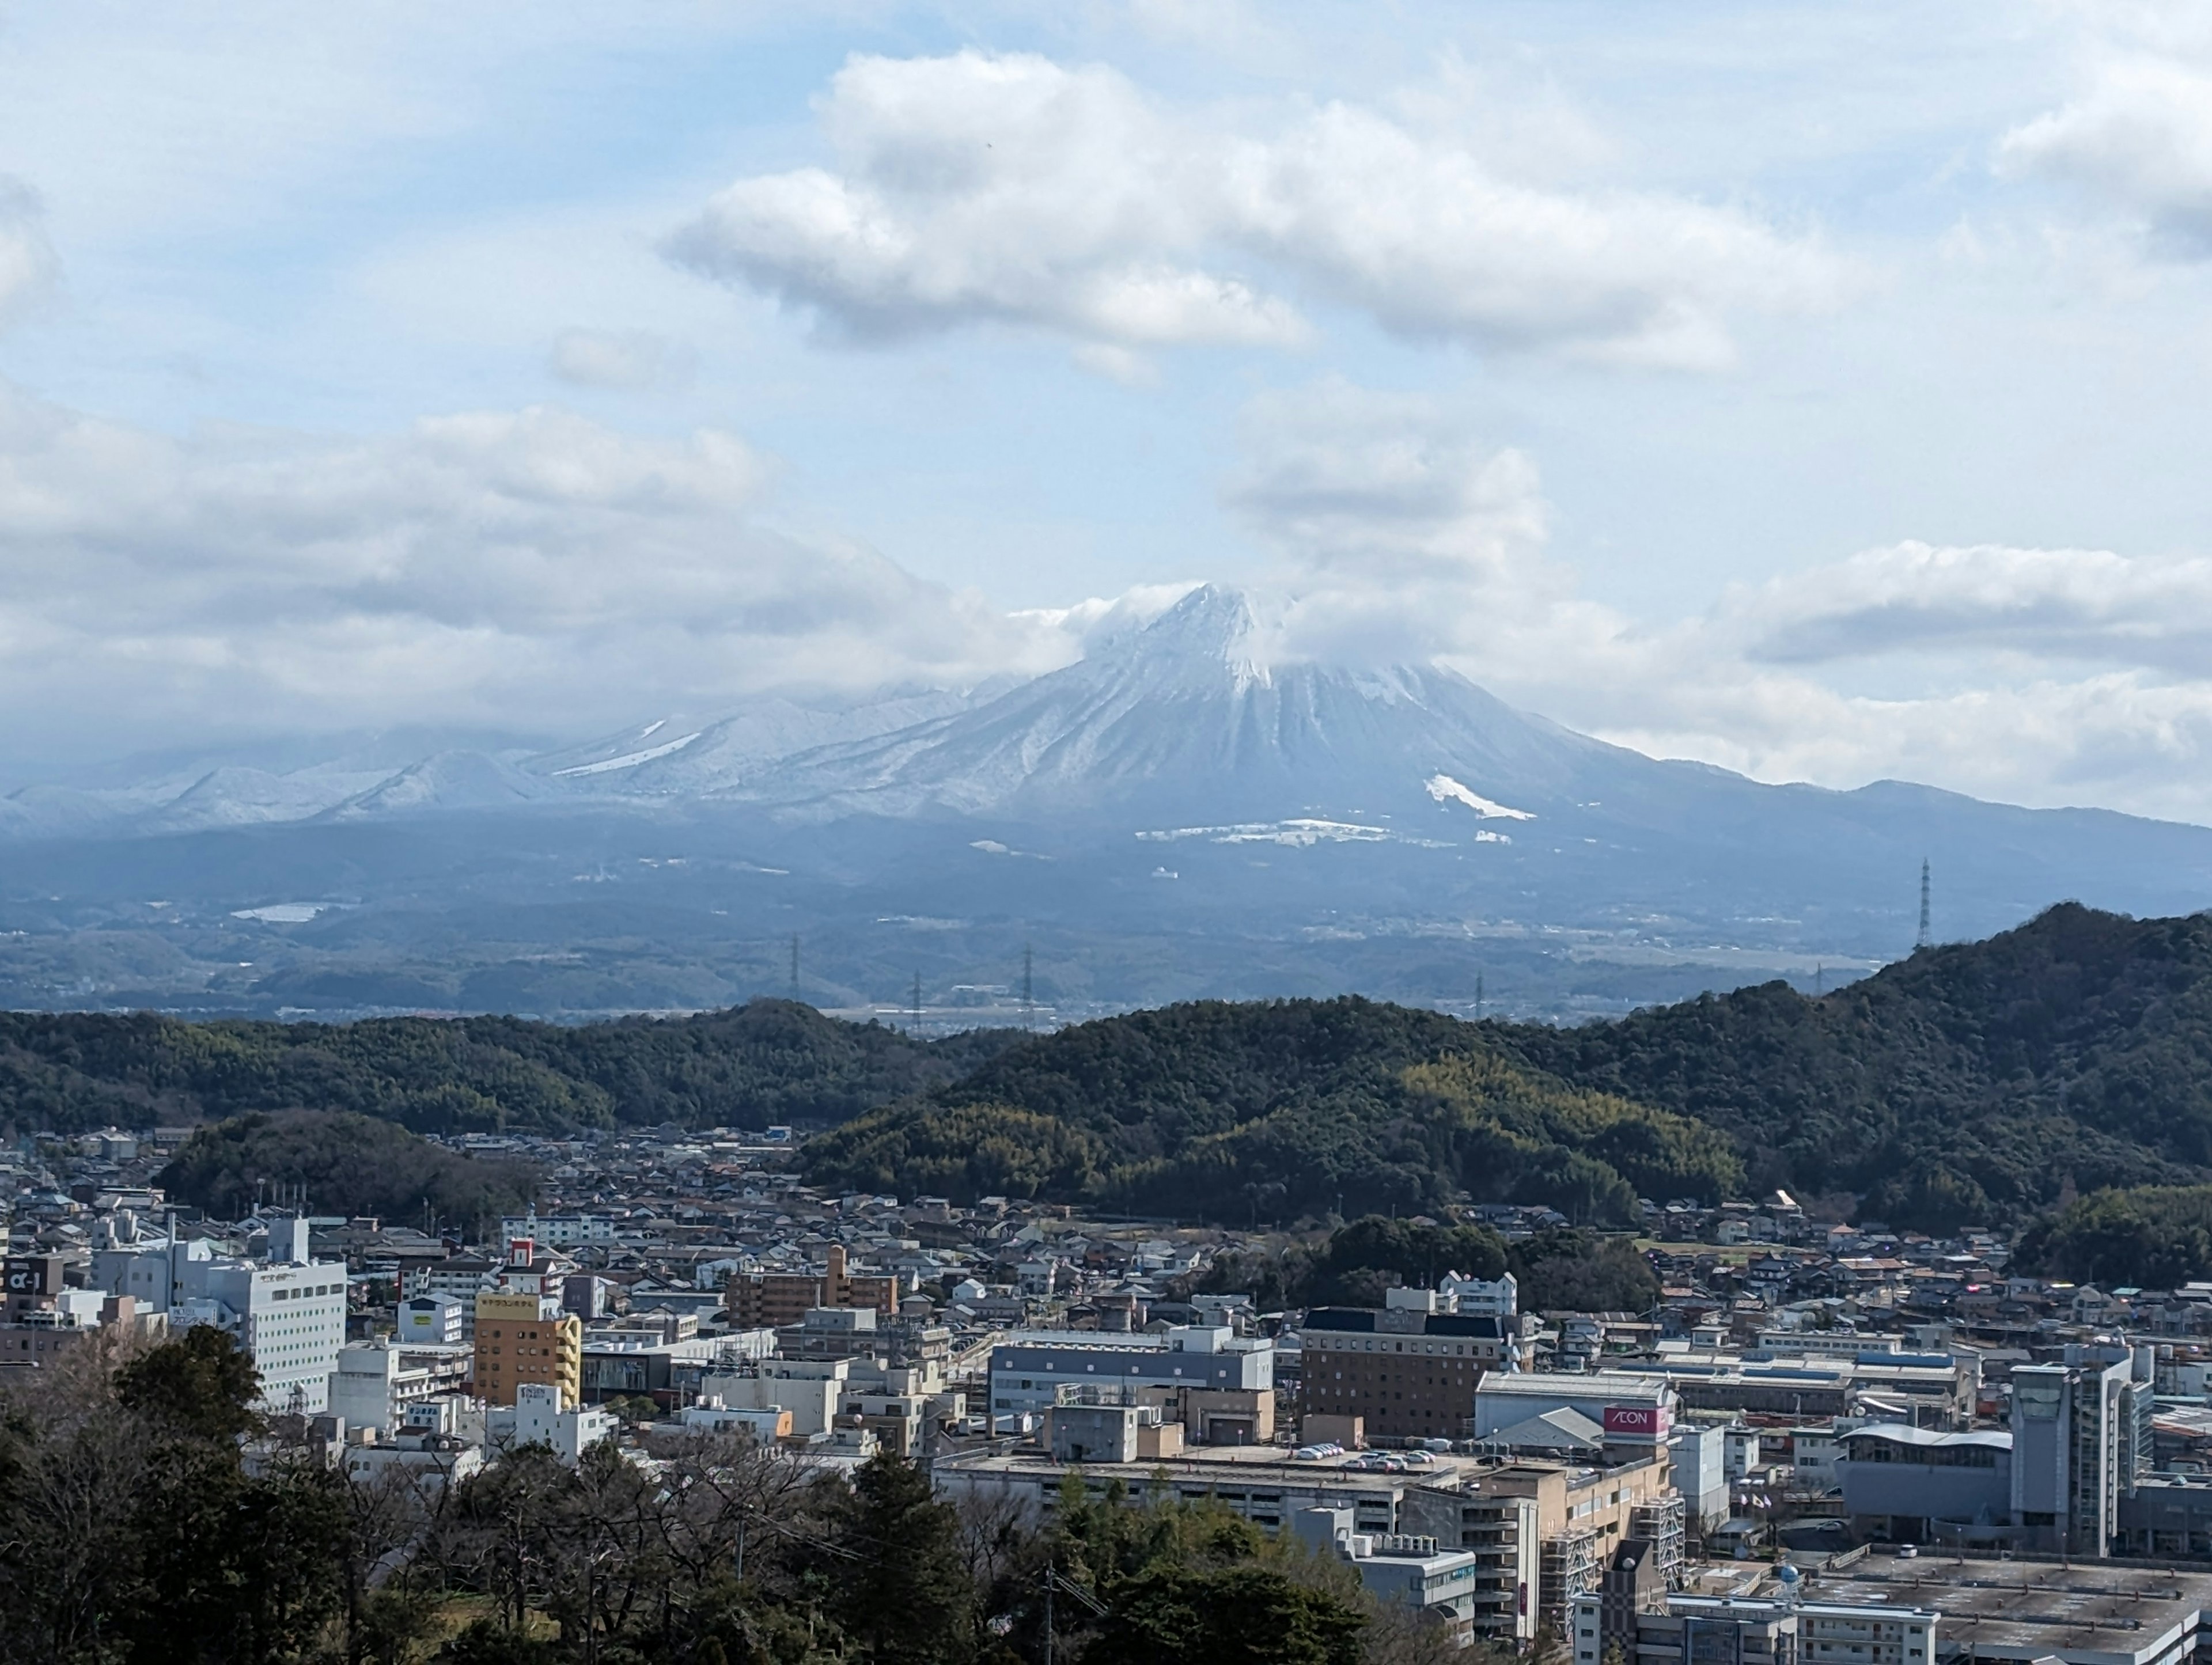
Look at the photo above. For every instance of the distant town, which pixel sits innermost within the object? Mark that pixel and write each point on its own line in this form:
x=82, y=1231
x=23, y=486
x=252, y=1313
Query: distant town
x=1824, y=1443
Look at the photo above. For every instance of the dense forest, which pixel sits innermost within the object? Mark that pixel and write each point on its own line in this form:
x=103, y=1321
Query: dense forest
x=134, y=1529
x=768, y=1062
x=1277, y=1112
x=2154, y=1236
x=1556, y=1271
x=348, y=1164
x=1977, y=1083
x=1970, y=1083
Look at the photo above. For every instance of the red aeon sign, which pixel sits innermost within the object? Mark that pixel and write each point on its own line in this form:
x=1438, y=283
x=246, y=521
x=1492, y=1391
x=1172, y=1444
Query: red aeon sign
x=1647, y=1419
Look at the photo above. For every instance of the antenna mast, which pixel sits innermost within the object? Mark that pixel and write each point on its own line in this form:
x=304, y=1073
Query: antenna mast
x=1925, y=939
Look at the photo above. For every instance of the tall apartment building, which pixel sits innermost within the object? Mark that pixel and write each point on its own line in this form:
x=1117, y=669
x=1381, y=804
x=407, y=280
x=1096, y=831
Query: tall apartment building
x=523, y=1338
x=2080, y=1442
x=770, y=1300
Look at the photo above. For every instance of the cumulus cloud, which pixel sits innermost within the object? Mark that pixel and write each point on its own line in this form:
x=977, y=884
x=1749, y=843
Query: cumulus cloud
x=1013, y=188
x=2090, y=605
x=2137, y=139
x=2066, y=676
x=528, y=567
x=27, y=259
x=627, y=359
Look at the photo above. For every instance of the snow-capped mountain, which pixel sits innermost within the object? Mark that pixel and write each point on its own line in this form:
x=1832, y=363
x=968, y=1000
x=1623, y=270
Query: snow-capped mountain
x=1180, y=812
x=1184, y=718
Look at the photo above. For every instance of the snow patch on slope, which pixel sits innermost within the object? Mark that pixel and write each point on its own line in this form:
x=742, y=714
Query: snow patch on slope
x=1445, y=790
x=631, y=760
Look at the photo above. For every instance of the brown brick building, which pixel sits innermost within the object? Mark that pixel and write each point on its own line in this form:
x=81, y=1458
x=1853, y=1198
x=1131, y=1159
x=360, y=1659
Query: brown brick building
x=770, y=1300
x=1411, y=1375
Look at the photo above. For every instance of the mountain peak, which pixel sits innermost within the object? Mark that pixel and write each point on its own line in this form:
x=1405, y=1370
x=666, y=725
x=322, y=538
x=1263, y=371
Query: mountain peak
x=1214, y=625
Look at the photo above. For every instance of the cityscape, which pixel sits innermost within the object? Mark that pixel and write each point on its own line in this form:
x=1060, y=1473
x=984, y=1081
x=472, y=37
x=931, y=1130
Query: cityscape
x=1150, y=832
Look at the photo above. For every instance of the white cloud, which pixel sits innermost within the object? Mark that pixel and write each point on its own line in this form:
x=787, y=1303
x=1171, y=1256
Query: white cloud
x=2033, y=676
x=1011, y=189
x=628, y=359
x=2137, y=138
x=528, y=567
x=27, y=259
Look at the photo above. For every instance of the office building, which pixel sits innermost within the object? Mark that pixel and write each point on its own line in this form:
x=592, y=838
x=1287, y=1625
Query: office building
x=288, y=1311
x=1408, y=1369
x=1230, y=1378
x=2081, y=1443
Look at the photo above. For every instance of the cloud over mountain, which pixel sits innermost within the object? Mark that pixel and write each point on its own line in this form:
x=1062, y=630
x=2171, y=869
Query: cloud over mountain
x=527, y=566
x=1010, y=188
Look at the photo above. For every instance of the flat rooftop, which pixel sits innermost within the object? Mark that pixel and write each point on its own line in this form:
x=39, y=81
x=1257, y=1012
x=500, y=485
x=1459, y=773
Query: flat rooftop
x=2086, y=1612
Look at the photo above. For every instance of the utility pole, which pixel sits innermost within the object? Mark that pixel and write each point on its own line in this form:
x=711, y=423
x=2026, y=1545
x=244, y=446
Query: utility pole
x=1926, y=938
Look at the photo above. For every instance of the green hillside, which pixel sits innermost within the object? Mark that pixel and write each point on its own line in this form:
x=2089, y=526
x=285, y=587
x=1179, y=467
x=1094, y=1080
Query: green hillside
x=1275, y=1112
x=1971, y=1082
x=1968, y=1083
x=768, y=1062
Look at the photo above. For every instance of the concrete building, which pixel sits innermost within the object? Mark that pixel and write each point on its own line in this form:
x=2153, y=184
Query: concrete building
x=1408, y=1369
x=1029, y=1371
x=2082, y=1441
x=1417, y=1572
x=1706, y=1630
x=539, y=1415
x=525, y=1339
x=288, y=1311
x=809, y=1391
x=1577, y=1517
x=757, y=1300
x=1634, y=1412
x=445, y=1319
x=373, y=1384
x=1916, y=1485
x=559, y=1231
x=2018, y=1613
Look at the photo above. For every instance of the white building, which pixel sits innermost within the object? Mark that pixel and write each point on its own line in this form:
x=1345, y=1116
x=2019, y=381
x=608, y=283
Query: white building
x=536, y=1419
x=1499, y=1297
x=1030, y=1368
x=1439, y=1584
x=442, y=1320
x=374, y=1383
x=288, y=1312
x=561, y=1230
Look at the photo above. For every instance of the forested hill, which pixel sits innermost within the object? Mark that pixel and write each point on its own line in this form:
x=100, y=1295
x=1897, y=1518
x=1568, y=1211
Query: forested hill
x=1968, y=1082
x=1977, y=1082
x=768, y=1062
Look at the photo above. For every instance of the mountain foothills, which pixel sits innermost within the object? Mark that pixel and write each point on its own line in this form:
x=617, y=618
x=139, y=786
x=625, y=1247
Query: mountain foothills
x=1184, y=811
x=1993, y=1082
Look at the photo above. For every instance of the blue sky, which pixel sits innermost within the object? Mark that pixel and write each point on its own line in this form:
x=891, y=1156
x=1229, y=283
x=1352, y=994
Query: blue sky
x=1820, y=390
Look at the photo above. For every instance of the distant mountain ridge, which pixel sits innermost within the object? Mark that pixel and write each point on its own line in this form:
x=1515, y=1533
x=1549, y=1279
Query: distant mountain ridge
x=1179, y=813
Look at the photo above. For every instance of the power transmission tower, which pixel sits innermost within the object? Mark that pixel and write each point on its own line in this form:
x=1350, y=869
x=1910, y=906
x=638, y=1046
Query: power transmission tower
x=794, y=965
x=1926, y=938
x=1029, y=986
x=1478, y=997
x=917, y=1002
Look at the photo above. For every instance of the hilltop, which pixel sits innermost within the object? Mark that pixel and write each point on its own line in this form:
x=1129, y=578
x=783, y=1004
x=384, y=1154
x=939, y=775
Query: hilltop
x=1979, y=1082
